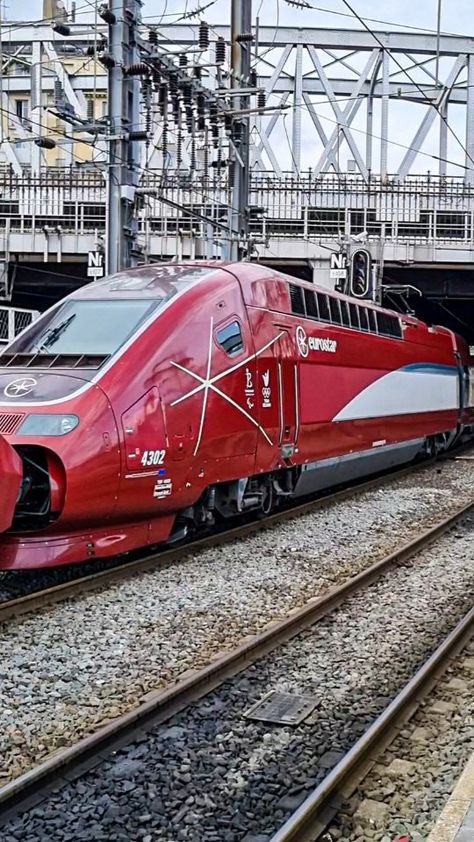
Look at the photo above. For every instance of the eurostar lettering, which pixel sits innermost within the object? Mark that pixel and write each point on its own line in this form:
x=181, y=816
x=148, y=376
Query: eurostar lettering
x=316, y=343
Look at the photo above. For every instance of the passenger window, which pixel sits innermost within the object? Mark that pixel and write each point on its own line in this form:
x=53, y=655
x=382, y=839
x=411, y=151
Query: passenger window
x=354, y=316
x=323, y=307
x=230, y=339
x=297, y=300
x=345, y=313
x=364, y=319
x=311, y=304
x=335, y=311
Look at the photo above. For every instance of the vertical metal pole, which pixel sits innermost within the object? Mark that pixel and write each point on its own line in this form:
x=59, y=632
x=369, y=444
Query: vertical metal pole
x=443, y=137
x=36, y=104
x=124, y=92
x=297, y=102
x=241, y=24
x=470, y=121
x=384, y=123
x=438, y=34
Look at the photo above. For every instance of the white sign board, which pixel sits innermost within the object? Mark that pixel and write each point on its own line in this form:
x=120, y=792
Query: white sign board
x=95, y=264
x=338, y=267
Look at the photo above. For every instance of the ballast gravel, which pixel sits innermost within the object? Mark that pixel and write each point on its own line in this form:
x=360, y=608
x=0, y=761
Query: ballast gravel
x=409, y=785
x=211, y=774
x=67, y=670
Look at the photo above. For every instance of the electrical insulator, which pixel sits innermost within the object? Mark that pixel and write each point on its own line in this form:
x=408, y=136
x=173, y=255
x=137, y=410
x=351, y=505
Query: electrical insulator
x=213, y=112
x=201, y=104
x=138, y=69
x=176, y=109
x=153, y=36
x=179, y=149
x=197, y=72
x=203, y=35
x=187, y=93
x=245, y=38
x=201, y=123
x=90, y=50
x=253, y=78
x=163, y=97
x=220, y=51
x=138, y=135
x=61, y=28
x=106, y=14
x=189, y=120
x=183, y=60
x=173, y=81
x=164, y=139
x=107, y=60
x=236, y=131
x=45, y=142
x=228, y=124
x=261, y=99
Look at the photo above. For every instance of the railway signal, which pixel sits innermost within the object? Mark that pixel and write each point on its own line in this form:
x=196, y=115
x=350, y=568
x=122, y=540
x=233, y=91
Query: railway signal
x=361, y=274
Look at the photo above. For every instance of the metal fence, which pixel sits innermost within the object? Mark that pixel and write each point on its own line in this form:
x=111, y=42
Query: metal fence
x=12, y=321
x=425, y=208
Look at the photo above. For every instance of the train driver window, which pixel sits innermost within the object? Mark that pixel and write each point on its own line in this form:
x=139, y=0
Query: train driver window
x=230, y=339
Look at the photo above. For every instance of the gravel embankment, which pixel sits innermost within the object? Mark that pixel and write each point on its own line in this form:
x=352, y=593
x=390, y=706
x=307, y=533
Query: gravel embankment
x=210, y=774
x=67, y=669
x=409, y=786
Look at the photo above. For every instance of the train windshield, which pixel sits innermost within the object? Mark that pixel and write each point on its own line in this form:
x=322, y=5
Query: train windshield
x=85, y=327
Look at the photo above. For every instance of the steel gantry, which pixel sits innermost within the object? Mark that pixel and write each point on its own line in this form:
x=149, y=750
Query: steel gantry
x=336, y=95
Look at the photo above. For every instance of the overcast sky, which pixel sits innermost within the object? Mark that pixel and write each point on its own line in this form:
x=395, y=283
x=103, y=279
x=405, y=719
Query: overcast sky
x=457, y=15
x=457, y=18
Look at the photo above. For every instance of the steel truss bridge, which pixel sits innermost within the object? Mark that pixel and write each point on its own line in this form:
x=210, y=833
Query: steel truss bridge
x=329, y=159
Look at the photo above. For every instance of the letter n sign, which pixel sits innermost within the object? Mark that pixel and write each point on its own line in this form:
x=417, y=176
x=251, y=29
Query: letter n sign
x=95, y=264
x=338, y=267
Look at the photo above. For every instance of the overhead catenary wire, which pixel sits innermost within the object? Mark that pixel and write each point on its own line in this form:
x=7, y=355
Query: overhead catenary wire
x=405, y=71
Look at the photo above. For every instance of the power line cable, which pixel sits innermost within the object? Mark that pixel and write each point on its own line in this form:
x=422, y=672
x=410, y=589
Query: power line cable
x=394, y=59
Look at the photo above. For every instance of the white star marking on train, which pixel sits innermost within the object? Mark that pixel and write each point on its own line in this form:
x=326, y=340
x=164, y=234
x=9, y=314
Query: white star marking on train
x=209, y=383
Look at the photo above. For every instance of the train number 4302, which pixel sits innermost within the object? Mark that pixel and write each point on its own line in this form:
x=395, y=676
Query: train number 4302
x=153, y=457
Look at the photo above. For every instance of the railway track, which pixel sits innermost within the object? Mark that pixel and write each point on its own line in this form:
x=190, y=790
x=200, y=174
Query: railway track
x=311, y=818
x=46, y=596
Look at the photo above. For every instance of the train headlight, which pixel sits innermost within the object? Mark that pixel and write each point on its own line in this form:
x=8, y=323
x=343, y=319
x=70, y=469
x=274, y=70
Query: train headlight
x=48, y=425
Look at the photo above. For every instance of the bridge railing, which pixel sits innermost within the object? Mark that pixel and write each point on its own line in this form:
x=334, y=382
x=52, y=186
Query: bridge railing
x=420, y=208
x=12, y=321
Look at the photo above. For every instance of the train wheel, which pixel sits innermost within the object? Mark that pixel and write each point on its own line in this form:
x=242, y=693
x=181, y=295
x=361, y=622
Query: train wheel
x=268, y=500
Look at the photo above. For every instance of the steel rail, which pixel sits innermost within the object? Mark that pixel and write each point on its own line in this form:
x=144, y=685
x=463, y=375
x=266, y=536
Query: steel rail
x=77, y=587
x=310, y=820
x=160, y=706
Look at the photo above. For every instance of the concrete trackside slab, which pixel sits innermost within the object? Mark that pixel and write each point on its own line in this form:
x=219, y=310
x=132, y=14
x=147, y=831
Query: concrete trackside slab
x=456, y=822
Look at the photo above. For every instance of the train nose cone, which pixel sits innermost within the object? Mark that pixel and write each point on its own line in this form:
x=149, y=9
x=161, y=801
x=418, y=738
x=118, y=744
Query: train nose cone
x=11, y=475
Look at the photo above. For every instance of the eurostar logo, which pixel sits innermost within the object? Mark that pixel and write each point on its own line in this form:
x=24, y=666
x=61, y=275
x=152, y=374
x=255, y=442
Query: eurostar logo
x=302, y=341
x=20, y=387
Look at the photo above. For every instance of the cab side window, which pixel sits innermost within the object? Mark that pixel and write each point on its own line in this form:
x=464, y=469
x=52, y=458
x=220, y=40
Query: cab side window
x=230, y=339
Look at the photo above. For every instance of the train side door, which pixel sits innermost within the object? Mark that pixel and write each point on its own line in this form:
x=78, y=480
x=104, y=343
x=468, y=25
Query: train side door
x=288, y=395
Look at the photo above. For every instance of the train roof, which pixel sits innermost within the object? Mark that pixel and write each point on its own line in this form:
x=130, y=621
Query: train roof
x=153, y=281
x=162, y=281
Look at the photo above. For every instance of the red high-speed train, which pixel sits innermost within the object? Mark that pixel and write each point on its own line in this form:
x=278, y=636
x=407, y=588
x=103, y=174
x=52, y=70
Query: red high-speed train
x=158, y=400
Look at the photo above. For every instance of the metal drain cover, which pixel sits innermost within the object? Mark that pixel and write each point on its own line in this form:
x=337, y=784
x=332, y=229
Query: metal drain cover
x=283, y=708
